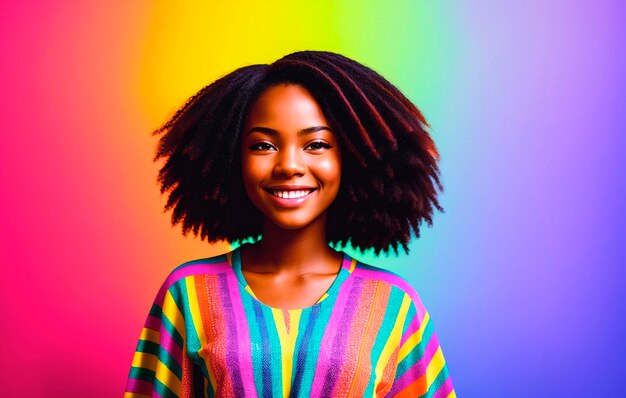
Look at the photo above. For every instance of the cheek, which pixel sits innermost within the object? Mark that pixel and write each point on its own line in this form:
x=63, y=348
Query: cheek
x=255, y=170
x=329, y=171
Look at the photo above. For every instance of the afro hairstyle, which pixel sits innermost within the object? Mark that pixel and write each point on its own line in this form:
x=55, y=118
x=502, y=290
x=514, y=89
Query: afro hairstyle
x=390, y=178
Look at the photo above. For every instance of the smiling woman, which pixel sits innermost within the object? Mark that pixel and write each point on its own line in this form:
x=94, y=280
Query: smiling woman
x=311, y=150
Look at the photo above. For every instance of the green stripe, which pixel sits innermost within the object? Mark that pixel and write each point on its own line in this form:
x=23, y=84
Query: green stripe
x=164, y=356
x=275, y=352
x=439, y=380
x=417, y=352
x=255, y=336
x=167, y=324
x=141, y=374
x=150, y=376
x=317, y=334
x=164, y=390
x=155, y=310
x=411, y=314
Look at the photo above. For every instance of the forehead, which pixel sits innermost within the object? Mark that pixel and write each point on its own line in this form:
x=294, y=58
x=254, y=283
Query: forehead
x=288, y=105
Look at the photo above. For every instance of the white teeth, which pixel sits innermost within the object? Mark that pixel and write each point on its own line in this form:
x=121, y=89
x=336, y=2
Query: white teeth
x=291, y=194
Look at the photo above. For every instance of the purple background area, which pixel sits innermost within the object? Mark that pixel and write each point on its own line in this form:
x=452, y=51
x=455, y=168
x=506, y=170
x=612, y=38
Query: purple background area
x=524, y=272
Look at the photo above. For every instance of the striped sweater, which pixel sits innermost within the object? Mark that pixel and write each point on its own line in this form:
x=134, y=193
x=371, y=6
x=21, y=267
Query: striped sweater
x=207, y=335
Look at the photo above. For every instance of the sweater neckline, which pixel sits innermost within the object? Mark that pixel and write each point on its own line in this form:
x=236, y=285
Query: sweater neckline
x=347, y=266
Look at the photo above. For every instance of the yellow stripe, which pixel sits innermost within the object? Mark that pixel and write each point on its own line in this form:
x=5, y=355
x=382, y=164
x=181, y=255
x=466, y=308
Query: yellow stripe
x=162, y=372
x=452, y=394
x=145, y=361
x=134, y=395
x=434, y=367
x=194, y=309
x=287, y=343
x=279, y=320
x=150, y=335
x=249, y=290
x=352, y=265
x=414, y=340
x=393, y=340
x=198, y=326
x=170, y=310
x=322, y=298
x=294, y=321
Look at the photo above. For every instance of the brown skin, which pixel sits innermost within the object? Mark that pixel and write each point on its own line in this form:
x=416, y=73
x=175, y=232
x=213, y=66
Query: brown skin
x=287, y=145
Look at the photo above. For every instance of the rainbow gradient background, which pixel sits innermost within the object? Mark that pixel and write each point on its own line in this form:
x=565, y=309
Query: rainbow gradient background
x=523, y=274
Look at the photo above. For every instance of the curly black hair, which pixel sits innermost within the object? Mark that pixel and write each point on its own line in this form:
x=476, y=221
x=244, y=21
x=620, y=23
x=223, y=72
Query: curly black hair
x=390, y=178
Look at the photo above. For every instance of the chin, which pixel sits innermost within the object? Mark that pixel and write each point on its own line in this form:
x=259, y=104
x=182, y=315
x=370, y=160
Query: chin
x=290, y=224
x=294, y=222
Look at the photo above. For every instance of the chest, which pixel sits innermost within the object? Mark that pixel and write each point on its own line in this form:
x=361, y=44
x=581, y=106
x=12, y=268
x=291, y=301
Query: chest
x=343, y=344
x=286, y=292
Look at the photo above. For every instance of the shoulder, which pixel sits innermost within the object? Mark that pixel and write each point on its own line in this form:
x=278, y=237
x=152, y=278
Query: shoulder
x=204, y=266
x=387, y=277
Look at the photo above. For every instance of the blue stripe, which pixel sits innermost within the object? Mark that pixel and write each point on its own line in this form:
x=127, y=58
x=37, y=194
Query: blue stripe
x=265, y=352
x=302, y=351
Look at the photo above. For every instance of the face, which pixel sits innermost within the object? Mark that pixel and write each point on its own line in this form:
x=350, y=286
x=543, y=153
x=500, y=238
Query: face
x=291, y=162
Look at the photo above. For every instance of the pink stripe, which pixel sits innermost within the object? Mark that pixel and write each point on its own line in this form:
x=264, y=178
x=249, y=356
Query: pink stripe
x=243, y=336
x=188, y=270
x=139, y=386
x=393, y=280
x=167, y=342
x=419, y=368
x=445, y=389
x=326, y=346
x=347, y=262
x=165, y=339
x=153, y=323
x=414, y=326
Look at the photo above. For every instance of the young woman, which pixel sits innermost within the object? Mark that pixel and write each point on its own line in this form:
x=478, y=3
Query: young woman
x=285, y=159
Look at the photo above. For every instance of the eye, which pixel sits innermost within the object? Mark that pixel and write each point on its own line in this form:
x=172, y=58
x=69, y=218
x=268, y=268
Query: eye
x=318, y=146
x=262, y=146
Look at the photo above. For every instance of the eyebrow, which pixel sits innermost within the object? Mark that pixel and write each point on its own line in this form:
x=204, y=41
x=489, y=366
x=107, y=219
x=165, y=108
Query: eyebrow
x=274, y=133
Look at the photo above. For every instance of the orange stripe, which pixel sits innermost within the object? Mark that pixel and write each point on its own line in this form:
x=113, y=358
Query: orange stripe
x=358, y=323
x=186, y=390
x=374, y=321
x=421, y=385
x=415, y=389
x=386, y=381
x=352, y=265
x=213, y=324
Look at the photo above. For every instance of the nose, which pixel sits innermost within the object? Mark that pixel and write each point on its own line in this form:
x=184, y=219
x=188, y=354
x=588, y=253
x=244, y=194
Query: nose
x=289, y=162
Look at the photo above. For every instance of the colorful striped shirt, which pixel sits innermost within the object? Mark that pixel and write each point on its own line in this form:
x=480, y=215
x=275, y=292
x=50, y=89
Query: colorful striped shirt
x=208, y=335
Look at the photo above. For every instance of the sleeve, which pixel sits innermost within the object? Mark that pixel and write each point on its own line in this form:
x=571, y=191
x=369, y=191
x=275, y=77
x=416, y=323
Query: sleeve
x=161, y=366
x=421, y=368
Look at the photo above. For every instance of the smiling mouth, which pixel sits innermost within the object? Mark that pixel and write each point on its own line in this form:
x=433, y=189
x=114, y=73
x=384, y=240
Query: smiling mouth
x=290, y=194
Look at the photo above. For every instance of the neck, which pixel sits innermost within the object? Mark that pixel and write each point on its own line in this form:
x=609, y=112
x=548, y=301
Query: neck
x=294, y=251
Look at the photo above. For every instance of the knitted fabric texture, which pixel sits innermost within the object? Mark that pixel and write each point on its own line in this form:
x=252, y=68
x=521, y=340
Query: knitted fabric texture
x=207, y=335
